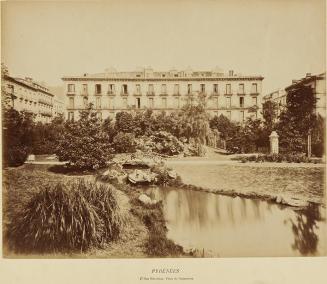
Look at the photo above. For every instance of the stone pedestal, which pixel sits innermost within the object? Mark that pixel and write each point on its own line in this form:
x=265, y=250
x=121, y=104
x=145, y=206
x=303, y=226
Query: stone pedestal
x=274, y=147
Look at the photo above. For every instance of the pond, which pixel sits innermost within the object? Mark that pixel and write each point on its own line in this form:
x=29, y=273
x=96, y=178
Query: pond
x=224, y=226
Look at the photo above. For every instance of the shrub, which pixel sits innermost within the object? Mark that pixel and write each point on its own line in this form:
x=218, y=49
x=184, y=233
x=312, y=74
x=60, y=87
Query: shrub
x=84, y=144
x=75, y=216
x=15, y=155
x=290, y=158
x=45, y=136
x=167, y=144
x=124, y=143
x=124, y=122
x=163, y=177
x=16, y=136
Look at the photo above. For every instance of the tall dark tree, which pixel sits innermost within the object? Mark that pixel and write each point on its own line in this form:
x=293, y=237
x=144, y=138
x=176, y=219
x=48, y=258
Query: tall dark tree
x=17, y=133
x=297, y=120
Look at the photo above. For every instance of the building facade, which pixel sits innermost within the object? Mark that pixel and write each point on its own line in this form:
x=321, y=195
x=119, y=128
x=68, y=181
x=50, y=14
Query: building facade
x=279, y=97
x=316, y=82
x=58, y=107
x=235, y=96
x=27, y=95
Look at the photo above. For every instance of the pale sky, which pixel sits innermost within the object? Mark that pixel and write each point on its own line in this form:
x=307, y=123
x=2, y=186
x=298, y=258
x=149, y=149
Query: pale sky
x=280, y=40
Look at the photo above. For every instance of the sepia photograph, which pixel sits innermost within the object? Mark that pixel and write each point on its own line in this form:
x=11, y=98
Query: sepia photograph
x=163, y=129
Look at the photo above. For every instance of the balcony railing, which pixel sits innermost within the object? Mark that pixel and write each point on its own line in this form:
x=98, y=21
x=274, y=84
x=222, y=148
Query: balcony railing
x=111, y=93
x=45, y=102
x=45, y=113
x=150, y=93
x=122, y=93
x=85, y=94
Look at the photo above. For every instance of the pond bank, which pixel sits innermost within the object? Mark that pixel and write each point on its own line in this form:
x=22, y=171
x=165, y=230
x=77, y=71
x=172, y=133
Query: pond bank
x=302, y=182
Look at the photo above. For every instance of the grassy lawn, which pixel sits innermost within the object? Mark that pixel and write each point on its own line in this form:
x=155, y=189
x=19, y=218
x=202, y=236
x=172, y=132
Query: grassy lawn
x=302, y=182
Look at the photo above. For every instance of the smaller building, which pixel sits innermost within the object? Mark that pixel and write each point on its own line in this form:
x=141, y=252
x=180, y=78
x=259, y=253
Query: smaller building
x=316, y=82
x=24, y=94
x=58, y=107
x=318, y=85
x=279, y=97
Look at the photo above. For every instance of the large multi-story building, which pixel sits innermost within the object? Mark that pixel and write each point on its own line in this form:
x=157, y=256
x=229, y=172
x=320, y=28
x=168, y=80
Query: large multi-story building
x=27, y=95
x=233, y=95
x=316, y=82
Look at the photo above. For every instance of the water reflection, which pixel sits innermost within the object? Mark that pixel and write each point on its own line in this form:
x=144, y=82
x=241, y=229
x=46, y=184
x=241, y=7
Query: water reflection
x=304, y=229
x=240, y=227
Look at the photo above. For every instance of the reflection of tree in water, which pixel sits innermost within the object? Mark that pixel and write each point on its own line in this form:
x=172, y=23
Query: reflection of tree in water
x=305, y=238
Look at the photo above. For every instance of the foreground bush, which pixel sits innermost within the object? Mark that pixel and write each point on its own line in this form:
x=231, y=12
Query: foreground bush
x=69, y=217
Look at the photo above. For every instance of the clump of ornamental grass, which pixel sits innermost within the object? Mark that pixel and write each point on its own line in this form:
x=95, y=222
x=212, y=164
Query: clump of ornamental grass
x=67, y=217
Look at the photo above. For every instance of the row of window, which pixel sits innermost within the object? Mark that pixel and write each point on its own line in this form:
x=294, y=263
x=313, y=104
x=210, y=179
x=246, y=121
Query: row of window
x=124, y=88
x=151, y=102
x=228, y=114
x=11, y=90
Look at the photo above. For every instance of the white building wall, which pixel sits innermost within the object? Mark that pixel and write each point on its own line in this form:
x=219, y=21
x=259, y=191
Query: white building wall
x=111, y=104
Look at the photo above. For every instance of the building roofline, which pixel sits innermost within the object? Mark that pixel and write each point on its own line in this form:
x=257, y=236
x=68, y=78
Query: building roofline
x=19, y=82
x=232, y=78
x=306, y=80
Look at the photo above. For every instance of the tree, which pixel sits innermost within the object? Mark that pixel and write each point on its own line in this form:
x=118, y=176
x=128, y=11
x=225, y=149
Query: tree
x=124, y=122
x=108, y=126
x=84, y=144
x=17, y=139
x=269, y=113
x=297, y=120
x=124, y=143
x=318, y=134
x=195, y=120
x=225, y=127
x=45, y=136
x=253, y=135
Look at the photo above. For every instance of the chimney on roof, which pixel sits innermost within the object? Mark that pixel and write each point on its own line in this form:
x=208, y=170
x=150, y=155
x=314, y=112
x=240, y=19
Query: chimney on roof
x=230, y=73
x=294, y=81
x=29, y=79
x=308, y=75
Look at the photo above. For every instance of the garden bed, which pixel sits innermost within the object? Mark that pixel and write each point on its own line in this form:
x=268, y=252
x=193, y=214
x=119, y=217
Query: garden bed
x=144, y=233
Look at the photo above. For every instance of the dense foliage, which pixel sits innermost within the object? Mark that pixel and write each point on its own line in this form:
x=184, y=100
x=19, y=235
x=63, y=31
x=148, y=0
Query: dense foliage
x=124, y=143
x=298, y=120
x=45, y=136
x=83, y=143
x=17, y=133
x=67, y=217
